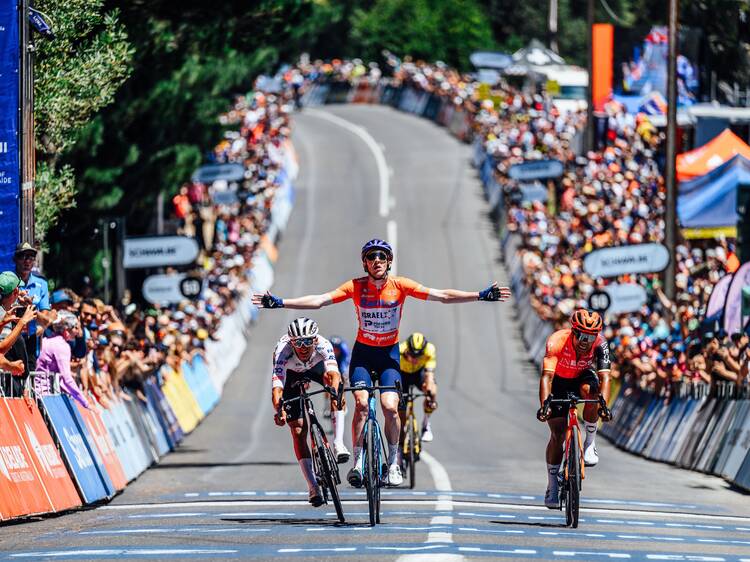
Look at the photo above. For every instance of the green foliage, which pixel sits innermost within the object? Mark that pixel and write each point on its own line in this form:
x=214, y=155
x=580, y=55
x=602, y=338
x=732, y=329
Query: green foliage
x=76, y=74
x=448, y=30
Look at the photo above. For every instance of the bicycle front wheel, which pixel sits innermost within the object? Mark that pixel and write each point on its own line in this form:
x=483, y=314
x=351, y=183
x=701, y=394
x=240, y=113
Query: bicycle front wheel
x=573, y=484
x=328, y=469
x=372, y=472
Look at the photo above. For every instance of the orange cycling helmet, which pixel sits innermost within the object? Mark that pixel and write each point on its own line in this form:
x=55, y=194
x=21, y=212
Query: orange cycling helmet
x=585, y=321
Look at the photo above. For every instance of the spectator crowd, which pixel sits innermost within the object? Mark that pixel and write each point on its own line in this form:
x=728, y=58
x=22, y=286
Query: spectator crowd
x=72, y=340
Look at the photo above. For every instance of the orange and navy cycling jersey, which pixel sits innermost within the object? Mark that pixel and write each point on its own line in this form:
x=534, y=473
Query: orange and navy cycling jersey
x=379, y=310
x=562, y=359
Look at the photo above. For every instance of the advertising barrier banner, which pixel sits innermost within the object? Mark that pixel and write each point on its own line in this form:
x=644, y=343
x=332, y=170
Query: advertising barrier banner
x=104, y=446
x=76, y=452
x=90, y=444
x=622, y=260
x=43, y=452
x=21, y=489
x=733, y=301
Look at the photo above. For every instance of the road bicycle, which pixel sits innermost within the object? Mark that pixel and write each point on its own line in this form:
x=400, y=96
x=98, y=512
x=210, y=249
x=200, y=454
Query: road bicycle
x=572, y=470
x=324, y=463
x=375, y=470
x=412, y=445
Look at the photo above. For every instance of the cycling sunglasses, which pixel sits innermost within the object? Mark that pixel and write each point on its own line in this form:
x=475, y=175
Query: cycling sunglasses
x=303, y=342
x=583, y=337
x=372, y=256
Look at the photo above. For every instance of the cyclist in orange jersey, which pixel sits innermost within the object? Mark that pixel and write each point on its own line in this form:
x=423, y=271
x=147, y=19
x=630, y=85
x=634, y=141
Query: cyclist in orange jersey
x=576, y=360
x=378, y=299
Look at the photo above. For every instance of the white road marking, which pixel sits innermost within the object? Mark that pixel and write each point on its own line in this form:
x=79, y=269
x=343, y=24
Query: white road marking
x=332, y=549
x=574, y=553
x=123, y=552
x=392, y=234
x=377, y=152
x=157, y=530
x=442, y=501
x=496, y=550
x=444, y=505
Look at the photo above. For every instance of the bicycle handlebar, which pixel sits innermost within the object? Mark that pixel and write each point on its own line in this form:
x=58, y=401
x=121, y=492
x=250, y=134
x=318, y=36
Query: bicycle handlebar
x=573, y=401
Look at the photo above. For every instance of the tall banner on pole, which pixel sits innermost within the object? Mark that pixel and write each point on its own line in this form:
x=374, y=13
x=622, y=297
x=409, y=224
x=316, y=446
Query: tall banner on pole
x=9, y=163
x=602, y=65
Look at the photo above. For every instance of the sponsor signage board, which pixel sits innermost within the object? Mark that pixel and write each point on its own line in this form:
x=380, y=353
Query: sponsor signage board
x=536, y=170
x=535, y=191
x=159, y=251
x=623, y=260
x=625, y=297
x=171, y=288
x=599, y=301
x=211, y=172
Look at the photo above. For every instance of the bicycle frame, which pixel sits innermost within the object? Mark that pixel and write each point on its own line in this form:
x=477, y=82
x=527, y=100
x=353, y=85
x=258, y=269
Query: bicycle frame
x=573, y=422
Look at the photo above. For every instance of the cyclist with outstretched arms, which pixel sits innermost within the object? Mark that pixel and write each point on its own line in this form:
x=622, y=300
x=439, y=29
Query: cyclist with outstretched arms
x=378, y=300
x=576, y=361
x=301, y=354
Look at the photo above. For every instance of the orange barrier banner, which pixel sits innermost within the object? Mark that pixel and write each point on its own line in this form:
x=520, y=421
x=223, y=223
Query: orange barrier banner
x=93, y=420
x=43, y=453
x=21, y=490
x=603, y=36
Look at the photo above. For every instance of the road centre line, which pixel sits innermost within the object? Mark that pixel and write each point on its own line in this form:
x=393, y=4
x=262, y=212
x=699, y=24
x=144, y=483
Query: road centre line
x=392, y=237
x=444, y=506
x=377, y=152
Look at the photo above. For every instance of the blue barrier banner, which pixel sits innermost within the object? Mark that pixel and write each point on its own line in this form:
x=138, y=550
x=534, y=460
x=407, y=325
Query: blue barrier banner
x=88, y=439
x=201, y=371
x=136, y=442
x=172, y=426
x=161, y=417
x=9, y=158
x=155, y=427
x=126, y=456
x=75, y=449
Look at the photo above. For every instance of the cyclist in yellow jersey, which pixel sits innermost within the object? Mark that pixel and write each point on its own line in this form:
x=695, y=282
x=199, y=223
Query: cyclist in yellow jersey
x=418, y=363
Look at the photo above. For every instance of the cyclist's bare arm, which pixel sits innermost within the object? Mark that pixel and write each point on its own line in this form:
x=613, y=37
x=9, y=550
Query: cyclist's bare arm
x=545, y=386
x=455, y=296
x=308, y=302
x=604, y=383
x=276, y=394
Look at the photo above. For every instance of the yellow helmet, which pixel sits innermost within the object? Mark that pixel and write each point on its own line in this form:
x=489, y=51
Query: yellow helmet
x=416, y=344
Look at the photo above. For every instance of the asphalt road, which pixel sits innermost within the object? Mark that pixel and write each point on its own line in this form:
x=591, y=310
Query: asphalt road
x=234, y=489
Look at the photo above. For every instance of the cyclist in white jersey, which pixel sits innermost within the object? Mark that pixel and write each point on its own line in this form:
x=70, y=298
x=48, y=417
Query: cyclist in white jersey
x=302, y=353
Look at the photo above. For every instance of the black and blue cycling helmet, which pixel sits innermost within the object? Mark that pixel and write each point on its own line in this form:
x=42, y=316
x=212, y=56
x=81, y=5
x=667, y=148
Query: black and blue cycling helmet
x=377, y=244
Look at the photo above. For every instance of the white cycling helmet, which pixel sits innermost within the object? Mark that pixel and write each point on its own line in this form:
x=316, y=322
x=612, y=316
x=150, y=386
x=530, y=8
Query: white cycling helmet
x=302, y=328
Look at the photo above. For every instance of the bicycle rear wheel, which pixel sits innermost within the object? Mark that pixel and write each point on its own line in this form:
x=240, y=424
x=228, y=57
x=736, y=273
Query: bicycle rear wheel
x=573, y=484
x=371, y=472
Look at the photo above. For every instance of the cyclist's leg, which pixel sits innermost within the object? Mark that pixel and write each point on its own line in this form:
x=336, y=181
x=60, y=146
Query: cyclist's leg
x=557, y=423
x=298, y=429
x=407, y=380
x=389, y=374
x=429, y=404
x=589, y=390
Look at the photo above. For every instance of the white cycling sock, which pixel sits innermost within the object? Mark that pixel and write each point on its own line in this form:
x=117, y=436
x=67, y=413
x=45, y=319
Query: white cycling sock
x=425, y=420
x=339, y=425
x=552, y=470
x=392, y=453
x=357, y=456
x=590, y=434
x=307, y=470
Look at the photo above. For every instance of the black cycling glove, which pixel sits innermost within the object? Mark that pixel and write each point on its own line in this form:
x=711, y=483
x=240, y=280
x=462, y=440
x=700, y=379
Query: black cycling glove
x=270, y=301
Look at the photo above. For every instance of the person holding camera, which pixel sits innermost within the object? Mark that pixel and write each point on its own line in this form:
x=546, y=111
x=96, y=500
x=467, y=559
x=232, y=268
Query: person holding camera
x=14, y=318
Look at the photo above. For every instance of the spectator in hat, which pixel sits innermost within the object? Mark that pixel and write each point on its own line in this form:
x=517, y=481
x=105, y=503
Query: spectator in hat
x=37, y=291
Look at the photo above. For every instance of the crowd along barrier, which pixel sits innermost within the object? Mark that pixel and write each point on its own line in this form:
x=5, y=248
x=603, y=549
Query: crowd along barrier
x=695, y=427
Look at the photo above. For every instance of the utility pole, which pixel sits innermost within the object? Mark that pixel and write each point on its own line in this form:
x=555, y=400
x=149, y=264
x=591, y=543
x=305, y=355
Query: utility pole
x=28, y=156
x=670, y=234
x=552, y=24
x=590, y=16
